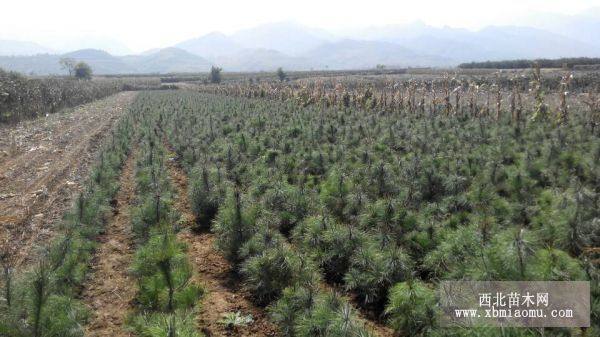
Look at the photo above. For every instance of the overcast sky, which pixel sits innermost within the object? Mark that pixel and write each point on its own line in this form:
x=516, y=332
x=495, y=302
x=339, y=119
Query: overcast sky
x=141, y=25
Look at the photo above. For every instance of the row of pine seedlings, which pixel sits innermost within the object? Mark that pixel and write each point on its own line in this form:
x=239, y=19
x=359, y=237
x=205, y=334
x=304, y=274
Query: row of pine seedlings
x=382, y=205
x=42, y=299
x=167, y=295
x=247, y=222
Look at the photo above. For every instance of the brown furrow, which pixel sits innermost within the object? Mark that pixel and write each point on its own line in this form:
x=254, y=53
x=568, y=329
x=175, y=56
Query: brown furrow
x=110, y=289
x=224, y=292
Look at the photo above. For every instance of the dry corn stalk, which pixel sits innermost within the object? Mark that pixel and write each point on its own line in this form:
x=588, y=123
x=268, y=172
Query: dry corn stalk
x=593, y=103
x=540, y=111
x=564, y=92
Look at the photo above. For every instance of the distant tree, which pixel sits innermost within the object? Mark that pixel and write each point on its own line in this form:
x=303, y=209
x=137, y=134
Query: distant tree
x=380, y=67
x=68, y=64
x=83, y=71
x=215, y=74
x=281, y=74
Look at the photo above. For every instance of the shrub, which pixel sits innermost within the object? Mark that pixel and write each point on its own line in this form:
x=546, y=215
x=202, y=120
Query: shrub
x=83, y=71
x=556, y=265
x=458, y=254
x=330, y=244
x=331, y=316
x=373, y=269
x=305, y=312
x=69, y=260
x=268, y=273
x=205, y=196
x=181, y=324
x=150, y=212
x=287, y=206
x=234, y=226
x=334, y=192
x=163, y=273
x=388, y=217
x=235, y=320
x=264, y=238
x=281, y=74
x=411, y=308
x=38, y=310
x=511, y=253
x=295, y=302
x=62, y=317
x=215, y=75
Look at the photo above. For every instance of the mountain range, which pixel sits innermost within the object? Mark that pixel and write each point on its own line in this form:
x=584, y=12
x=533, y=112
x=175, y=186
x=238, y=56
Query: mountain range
x=167, y=60
x=296, y=47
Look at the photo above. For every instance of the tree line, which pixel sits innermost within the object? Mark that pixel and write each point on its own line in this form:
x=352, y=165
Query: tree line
x=569, y=63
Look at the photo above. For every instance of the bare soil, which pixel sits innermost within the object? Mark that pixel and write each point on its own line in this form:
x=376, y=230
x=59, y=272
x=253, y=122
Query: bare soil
x=374, y=325
x=110, y=289
x=224, y=292
x=43, y=164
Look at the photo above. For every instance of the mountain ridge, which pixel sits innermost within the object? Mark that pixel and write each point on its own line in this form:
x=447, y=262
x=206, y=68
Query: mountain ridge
x=166, y=60
x=22, y=48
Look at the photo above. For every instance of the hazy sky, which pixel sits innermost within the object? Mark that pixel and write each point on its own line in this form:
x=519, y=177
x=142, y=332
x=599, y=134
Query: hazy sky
x=148, y=24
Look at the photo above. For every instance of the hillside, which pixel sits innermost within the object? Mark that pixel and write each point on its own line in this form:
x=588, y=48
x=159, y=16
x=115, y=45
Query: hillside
x=166, y=60
x=42, y=64
x=353, y=54
x=101, y=61
x=22, y=48
x=211, y=45
x=286, y=37
x=489, y=43
x=265, y=59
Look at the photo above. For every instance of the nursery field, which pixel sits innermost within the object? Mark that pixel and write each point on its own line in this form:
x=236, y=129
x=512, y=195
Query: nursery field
x=313, y=207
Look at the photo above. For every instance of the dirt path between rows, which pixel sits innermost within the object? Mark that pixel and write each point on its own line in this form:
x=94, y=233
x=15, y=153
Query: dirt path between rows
x=43, y=164
x=224, y=295
x=109, y=289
